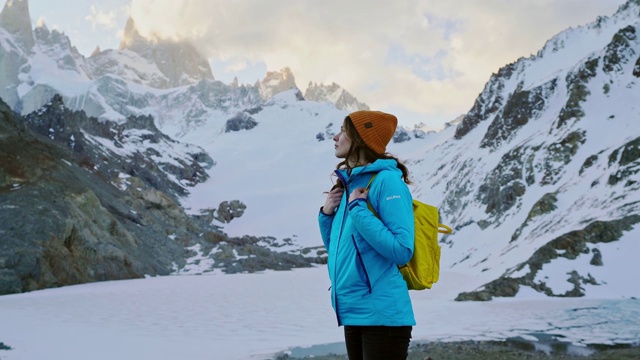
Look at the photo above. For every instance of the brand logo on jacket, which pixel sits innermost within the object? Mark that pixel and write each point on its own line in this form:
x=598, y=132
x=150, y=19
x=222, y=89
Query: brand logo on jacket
x=393, y=197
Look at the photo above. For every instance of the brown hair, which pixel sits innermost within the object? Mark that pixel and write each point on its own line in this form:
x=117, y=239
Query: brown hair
x=359, y=147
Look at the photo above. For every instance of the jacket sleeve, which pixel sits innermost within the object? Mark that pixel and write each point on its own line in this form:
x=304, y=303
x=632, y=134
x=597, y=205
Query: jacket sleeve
x=392, y=234
x=325, y=222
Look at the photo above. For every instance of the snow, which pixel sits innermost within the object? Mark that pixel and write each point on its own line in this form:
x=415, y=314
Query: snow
x=254, y=316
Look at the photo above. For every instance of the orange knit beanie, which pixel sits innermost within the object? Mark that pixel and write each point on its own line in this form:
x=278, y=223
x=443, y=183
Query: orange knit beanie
x=375, y=128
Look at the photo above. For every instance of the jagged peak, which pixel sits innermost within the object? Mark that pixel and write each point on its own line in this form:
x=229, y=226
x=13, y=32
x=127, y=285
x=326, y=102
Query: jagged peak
x=178, y=60
x=283, y=74
x=331, y=87
x=630, y=9
x=130, y=36
x=624, y=7
x=15, y=19
x=40, y=24
x=130, y=26
x=96, y=51
x=335, y=94
x=275, y=82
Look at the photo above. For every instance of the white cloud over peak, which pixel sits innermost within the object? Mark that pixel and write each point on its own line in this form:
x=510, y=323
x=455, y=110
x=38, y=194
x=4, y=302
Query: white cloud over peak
x=101, y=18
x=430, y=57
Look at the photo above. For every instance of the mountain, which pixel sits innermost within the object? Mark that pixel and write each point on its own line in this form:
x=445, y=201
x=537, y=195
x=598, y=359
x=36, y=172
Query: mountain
x=539, y=179
x=179, y=62
x=276, y=82
x=166, y=79
x=14, y=18
x=334, y=94
x=541, y=176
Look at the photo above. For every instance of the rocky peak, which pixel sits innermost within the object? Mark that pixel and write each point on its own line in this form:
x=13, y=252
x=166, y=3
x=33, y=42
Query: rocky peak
x=16, y=20
x=631, y=5
x=178, y=60
x=54, y=38
x=334, y=94
x=96, y=51
x=132, y=40
x=276, y=82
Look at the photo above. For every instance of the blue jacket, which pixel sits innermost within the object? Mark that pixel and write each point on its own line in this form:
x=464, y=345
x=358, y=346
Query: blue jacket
x=365, y=251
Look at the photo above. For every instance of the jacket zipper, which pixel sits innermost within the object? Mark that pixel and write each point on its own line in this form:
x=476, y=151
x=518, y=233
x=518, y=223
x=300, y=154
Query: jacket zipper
x=344, y=216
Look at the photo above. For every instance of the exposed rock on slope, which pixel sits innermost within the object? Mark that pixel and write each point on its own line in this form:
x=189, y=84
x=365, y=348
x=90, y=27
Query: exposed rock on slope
x=82, y=201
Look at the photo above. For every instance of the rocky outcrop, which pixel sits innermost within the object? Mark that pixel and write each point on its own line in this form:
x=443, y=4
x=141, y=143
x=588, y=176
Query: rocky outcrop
x=487, y=103
x=77, y=205
x=521, y=107
x=578, y=91
x=139, y=144
x=229, y=210
x=568, y=246
x=242, y=121
x=625, y=159
x=620, y=51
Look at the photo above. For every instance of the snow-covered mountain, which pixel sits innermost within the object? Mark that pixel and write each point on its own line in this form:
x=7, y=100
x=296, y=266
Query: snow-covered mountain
x=169, y=80
x=334, y=94
x=539, y=179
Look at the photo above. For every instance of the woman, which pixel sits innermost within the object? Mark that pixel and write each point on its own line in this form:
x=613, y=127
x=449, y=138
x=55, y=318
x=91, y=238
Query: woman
x=368, y=293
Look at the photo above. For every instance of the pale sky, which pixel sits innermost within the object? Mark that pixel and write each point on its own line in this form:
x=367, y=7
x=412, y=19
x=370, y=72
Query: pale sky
x=423, y=60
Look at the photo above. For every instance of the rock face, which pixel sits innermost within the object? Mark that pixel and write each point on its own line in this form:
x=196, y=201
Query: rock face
x=83, y=200
x=68, y=225
x=16, y=20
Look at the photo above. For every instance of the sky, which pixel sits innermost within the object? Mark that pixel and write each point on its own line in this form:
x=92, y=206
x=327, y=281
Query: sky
x=423, y=60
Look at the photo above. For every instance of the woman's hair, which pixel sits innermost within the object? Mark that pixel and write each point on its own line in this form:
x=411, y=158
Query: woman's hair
x=359, y=147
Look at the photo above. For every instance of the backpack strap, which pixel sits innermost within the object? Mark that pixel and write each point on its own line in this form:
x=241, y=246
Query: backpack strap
x=442, y=228
x=368, y=203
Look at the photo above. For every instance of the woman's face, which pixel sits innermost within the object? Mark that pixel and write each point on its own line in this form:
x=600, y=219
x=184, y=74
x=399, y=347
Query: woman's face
x=343, y=143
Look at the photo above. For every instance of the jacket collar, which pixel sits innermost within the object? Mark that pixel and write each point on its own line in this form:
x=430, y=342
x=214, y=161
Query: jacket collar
x=373, y=168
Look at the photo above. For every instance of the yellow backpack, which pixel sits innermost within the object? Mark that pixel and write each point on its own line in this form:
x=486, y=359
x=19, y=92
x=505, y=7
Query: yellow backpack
x=423, y=270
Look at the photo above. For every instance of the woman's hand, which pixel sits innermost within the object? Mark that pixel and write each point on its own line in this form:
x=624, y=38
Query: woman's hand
x=333, y=200
x=359, y=193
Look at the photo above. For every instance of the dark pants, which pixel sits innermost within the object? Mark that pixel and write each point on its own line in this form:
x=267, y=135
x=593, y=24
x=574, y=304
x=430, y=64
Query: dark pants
x=377, y=342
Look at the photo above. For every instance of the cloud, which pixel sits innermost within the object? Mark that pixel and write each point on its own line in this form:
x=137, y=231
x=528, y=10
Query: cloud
x=430, y=57
x=98, y=18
